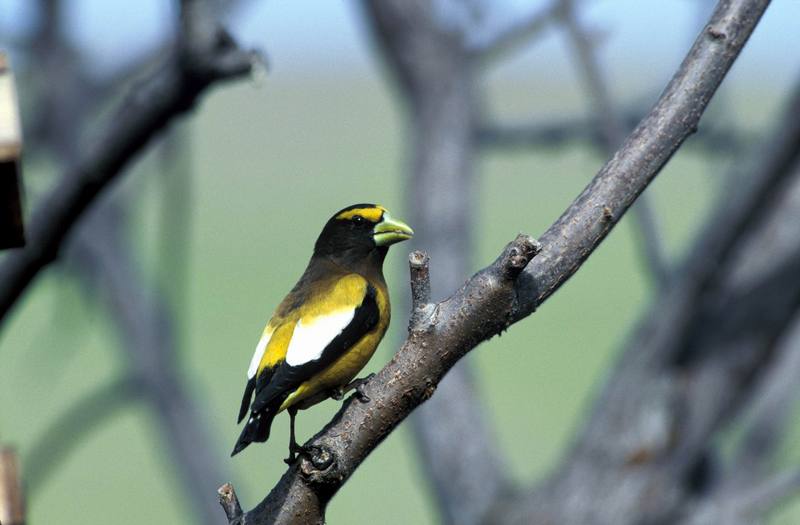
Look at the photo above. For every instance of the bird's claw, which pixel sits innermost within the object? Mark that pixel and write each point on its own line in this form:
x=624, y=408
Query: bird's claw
x=359, y=387
x=337, y=394
x=295, y=451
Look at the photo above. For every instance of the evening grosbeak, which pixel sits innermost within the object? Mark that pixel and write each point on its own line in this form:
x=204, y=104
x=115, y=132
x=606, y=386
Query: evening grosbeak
x=327, y=328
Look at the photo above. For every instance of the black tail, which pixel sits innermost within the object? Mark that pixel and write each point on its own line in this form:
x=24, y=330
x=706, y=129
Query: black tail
x=256, y=429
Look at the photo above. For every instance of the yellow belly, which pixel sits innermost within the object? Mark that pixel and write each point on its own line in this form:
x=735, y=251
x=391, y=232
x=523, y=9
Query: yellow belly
x=340, y=373
x=344, y=369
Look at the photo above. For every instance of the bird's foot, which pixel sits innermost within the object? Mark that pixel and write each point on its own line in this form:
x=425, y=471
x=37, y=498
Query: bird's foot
x=358, y=385
x=295, y=451
x=337, y=393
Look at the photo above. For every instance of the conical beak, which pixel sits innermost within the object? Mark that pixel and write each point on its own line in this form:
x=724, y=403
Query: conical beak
x=390, y=231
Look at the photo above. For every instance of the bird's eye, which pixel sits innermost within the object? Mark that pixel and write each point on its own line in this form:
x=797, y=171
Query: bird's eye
x=358, y=219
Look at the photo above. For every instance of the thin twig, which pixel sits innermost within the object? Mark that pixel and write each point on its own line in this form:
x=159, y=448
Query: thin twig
x=419, y=263
x=230, y=503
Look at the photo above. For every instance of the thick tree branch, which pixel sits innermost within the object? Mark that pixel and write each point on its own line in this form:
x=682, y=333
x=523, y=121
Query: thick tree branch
x=495, y=298
x=200, y=60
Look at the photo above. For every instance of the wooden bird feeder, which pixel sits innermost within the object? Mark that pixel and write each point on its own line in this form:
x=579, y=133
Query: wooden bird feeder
x=12, y=233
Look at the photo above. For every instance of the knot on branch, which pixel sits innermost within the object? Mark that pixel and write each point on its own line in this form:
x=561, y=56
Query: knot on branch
x=517, y=255
x=316, y=464
x=221, y=58
x=206, y=50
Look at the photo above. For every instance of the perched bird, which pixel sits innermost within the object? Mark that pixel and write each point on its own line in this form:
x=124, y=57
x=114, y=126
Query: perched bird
x=327, y=328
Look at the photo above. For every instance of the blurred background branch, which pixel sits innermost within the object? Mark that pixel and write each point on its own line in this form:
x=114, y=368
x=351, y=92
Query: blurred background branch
x=99, y=250
x=200, y=60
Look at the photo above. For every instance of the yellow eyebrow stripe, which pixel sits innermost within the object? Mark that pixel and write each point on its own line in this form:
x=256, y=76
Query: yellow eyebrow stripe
x=371, y=214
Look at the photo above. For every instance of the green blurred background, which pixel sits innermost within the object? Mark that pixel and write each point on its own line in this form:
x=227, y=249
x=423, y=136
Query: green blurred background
x=270, y=161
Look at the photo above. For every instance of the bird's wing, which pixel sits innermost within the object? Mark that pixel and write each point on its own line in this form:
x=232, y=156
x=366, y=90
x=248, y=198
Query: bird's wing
x=325, y=327
x=277, y=324
x=328, y=328
x=272, y=346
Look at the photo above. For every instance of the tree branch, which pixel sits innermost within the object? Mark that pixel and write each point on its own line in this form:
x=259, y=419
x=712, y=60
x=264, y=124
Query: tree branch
x=663, y=411
x=200, y=60
x=497, y=296
x=672, y=120
x=612, y=133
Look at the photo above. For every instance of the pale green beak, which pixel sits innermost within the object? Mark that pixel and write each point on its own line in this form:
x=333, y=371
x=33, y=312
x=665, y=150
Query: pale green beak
x=390, y=231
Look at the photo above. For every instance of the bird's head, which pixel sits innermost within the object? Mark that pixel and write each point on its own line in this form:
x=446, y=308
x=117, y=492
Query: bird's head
x=359, y=230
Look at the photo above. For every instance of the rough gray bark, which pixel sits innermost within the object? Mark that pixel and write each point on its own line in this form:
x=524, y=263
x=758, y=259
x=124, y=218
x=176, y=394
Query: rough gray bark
x=512, y=287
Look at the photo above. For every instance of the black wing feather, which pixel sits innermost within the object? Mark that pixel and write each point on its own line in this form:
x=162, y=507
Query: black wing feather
x=248, y=395
x=286, y=378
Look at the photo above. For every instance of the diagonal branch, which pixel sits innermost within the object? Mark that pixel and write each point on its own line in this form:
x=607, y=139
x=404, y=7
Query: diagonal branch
x=668, y=394
x=672, y=120
x=504, y=292
x=612, y=133
x=206, y=54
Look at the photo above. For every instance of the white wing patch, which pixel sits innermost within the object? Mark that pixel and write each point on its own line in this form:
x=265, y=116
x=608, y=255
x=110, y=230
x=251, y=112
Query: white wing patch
x=311, y=337
x=259, y=354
